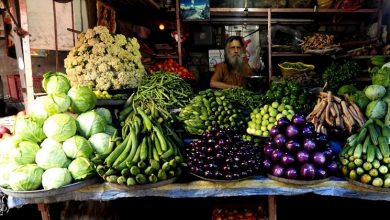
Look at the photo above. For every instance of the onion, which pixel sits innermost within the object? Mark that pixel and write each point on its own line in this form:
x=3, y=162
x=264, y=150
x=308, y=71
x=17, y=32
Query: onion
x=277, y=170
x=308, y=171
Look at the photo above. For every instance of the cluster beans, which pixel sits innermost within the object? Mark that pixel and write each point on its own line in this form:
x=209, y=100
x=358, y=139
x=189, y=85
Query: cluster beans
x=104, y=61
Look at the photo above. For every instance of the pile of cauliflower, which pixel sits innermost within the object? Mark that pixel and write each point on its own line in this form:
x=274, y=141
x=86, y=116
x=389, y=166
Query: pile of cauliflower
x=104, y=61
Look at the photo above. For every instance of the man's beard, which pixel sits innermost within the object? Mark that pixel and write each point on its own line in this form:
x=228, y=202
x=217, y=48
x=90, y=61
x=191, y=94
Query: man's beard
x=235, y=61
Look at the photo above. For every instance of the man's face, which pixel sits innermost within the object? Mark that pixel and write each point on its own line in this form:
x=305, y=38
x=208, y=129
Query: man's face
x=234, y=52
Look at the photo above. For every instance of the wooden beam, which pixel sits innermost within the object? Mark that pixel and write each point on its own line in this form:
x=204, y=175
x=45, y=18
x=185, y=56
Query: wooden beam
x=178, y=32
x=272, y=212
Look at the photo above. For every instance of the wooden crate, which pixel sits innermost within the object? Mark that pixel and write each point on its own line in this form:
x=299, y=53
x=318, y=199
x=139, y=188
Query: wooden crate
x=15, y=88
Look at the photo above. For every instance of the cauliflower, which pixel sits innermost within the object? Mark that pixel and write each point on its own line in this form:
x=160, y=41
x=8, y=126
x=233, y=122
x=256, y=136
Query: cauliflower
x=103, y=61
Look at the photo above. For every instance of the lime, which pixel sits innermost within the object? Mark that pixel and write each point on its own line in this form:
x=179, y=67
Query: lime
x=275, y=104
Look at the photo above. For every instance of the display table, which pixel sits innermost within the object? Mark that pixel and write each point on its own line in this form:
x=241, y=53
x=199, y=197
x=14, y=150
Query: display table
x=256, y=186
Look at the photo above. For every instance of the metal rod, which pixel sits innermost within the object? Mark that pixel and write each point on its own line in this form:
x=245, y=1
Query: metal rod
x=55, y=32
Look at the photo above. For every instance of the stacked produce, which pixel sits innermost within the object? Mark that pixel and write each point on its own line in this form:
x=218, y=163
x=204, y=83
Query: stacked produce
x=366, y=155
x=106, y=95
x=290, y=93
x=211, y=108
x=166, y=90
x=266, y=116
x=318, y=41
x=52, y=145
x=221, y=154
x=169, y=65
x=103, y=61
x=243, y=98
x=339, y=74
x=334, y=116
x=146, y=152
x=295, y=150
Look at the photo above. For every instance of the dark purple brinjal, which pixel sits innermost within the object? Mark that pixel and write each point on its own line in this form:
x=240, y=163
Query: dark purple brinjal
x=332, y=167
x=278, y=170
x=303, y=156
x=298, y=119
x=287, y=159
x=291, y=173
x=283, y=122
x=321, y=173
x=274, y=131
x=267, y=165
x=292, y=131
x=308, y=130
x=308, y=171
x=280, y=140
x=309, y=144
x=321, y=139
x=276, y=155
x=293, y=145
x=329, y=154
x=319, y=158
x=268, y=151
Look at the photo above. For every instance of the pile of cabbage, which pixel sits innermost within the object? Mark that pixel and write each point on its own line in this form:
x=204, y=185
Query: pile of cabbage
x=53, y=145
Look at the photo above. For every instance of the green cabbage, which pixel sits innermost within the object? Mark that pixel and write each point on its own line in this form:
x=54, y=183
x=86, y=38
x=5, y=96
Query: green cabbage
x=105, y=113
x=50, y=157
x=37, y=110
x=375, y=92
x=25, y=152
x=90, y=123
x=381, y=77
x=100, y=143
x=360, y=99
x=5, y=171
x=60, y=127
x=81, y=168
x=48, y=142
x=55, y=103
x=7, y=146
x=55, y=178
x=83, y=99
x=26, y=177
x=110, y=130
x=77, y=146
x=376, y=109
x=54, y=82
x=29, y=129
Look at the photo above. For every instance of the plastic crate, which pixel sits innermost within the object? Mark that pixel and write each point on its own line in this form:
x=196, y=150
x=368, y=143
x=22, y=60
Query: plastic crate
x=15, y=88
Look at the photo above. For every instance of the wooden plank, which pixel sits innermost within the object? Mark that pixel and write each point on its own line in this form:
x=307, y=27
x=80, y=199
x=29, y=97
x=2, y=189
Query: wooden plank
x=272, y=212
x=23, y=54
x=269, y=38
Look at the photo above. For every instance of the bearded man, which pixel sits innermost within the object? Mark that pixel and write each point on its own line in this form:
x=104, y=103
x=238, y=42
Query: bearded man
x=231, y=72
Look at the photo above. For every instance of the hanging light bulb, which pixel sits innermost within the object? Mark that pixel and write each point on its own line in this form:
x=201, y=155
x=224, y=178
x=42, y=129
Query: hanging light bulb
x=161, y=26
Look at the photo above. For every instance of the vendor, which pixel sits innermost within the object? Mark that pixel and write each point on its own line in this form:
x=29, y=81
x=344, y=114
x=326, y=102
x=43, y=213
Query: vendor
x=231, y=73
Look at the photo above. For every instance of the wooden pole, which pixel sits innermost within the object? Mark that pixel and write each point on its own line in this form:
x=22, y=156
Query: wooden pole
x=178, y=32
x=272, y=214
x=269, y=46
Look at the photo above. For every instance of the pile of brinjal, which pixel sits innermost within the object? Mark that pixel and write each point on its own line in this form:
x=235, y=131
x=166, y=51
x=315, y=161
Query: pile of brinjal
x=295, y=150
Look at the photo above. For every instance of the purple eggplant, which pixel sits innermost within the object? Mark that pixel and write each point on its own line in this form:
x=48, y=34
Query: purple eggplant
x=287, y=159
x=318, y=158
x=280, y=140
x=298, y=119
x=274, y=131
x=308, y=130
x=332, y=167
x=283, y=122
x=307, y=171
x=292, y=131
x=278, y=170
x=291, y=173
x=303, y=156
x=293, y=145
x=309, y=144
x=276, y=155
x=321, y=173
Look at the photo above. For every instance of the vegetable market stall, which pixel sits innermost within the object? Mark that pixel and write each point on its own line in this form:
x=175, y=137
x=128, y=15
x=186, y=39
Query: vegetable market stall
x=255, y=186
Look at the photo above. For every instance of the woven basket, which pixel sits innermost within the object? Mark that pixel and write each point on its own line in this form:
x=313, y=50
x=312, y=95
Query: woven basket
x=289, y=71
